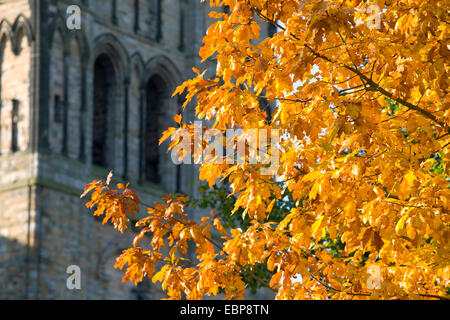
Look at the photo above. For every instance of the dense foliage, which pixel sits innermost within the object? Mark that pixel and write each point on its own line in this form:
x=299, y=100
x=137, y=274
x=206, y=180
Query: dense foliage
x=362, y=105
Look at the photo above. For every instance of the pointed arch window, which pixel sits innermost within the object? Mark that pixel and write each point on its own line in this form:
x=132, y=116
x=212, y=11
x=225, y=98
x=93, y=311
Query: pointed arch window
x=156, y=93
x=103, y=118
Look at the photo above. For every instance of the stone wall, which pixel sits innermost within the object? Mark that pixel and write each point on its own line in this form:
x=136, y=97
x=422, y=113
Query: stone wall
x=17, y=167
x=15, y=221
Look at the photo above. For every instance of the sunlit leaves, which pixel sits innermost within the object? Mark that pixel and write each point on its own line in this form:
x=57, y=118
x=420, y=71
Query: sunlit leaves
x=117, y=206
x=364, y=114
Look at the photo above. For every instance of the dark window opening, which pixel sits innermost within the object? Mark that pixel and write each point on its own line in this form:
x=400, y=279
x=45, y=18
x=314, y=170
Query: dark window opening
x=155, y=99
x=136, y=16
x=181, y=44
x=114, y=19
x=58, y=114
x=104, y=92
x=15, y=126
x=178, y=180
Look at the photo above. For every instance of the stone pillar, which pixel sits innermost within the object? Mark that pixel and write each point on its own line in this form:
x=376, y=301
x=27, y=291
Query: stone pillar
x=125, y=126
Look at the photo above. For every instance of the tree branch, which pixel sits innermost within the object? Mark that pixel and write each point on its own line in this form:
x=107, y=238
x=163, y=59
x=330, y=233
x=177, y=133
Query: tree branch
x=248, y=272
x=371, y=85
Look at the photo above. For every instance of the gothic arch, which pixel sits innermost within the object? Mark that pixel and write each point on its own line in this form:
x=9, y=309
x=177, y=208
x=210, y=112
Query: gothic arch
x=14, y=102
x=161, y=77
x=21, y=26
x=59, y=26
x=14, y=32
x=136, y=95
x=163, y=66
x=80, y=37
x=75, y=99
x=6, y=34
x=137, y=63
x=58, y=90
x=110, y=45
x=84, y=52
x=108, y=56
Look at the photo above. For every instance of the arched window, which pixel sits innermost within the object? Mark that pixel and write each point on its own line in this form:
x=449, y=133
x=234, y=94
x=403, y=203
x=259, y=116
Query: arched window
x=15, y=105
x=105, y=88
x=75, y=100
x=156, y=96
x=57, y=94
x=134, y=122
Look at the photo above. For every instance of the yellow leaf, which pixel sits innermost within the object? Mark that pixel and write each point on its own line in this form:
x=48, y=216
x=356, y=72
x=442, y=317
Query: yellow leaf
x=314, y=191
x=410, y=178
x=177, y=118
x=317, y=224
x=401, y=223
